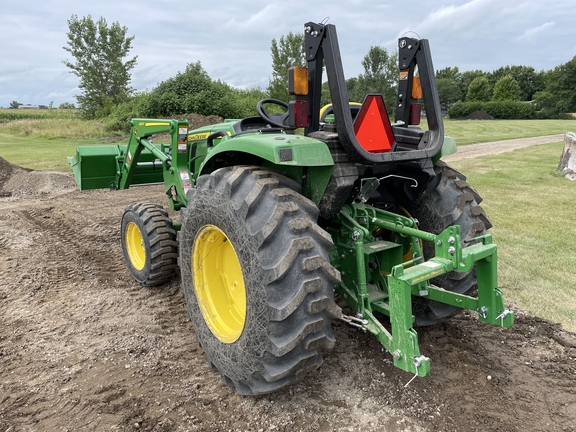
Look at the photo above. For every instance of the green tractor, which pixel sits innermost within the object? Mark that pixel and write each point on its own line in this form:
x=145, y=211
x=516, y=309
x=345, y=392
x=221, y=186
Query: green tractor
x=275, y=224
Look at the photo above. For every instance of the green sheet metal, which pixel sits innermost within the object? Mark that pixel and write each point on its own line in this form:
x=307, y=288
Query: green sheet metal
x=96, y=167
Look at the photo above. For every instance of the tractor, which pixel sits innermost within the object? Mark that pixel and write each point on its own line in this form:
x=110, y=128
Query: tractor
x=283, y=215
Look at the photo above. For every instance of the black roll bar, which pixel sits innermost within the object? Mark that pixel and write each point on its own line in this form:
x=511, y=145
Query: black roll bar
x=322, y=48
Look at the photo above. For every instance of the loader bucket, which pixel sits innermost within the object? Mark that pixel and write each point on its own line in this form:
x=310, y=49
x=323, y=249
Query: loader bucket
x=97, y=167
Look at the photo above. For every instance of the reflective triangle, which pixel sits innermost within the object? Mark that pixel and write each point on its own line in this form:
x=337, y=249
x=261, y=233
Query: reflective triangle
x=372, y=126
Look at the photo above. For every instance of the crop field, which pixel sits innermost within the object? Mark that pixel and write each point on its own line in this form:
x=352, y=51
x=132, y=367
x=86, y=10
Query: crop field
x=7, y=114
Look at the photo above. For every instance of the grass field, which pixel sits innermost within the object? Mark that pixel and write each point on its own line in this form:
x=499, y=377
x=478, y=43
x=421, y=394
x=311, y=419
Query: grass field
x=40, y=154
x=475, y=131
x=44, y=143
x=532, y=209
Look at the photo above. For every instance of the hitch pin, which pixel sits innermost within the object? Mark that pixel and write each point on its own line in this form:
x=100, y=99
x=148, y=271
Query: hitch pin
x=417, y=362
x=502, y=316
x=354, y=321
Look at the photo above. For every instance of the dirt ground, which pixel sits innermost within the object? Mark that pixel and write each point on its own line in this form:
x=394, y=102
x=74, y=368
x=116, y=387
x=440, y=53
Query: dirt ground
x=498, y=147
x=83, y=347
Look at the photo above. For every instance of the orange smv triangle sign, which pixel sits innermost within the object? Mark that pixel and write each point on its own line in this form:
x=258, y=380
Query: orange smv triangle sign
x=372, y=126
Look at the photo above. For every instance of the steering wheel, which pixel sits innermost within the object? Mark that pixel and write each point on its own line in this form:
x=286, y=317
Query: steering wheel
x=278, y=119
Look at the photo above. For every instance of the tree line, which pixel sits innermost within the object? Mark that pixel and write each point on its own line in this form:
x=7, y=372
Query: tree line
x=63, y=105
x=510, y=91
x=103, y=65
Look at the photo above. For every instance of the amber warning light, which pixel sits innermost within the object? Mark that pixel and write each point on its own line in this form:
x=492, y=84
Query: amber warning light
x=372, y=126
x=298, y=81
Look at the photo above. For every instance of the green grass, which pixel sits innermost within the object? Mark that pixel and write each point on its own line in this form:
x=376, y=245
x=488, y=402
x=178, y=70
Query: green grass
x=475, y=131
x=44, y=144
x=532, y=209
x=40, y=153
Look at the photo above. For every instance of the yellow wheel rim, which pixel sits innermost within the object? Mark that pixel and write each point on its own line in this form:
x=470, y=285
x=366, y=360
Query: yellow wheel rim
x=135, y=246
x=219, y=283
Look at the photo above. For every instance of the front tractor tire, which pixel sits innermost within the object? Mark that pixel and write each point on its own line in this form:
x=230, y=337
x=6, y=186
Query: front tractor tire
x=256, y=277
x=448, y=200
x=149, y=243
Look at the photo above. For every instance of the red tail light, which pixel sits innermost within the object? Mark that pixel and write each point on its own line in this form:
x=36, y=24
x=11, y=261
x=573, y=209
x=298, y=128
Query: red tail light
x=415, y=110
x=298, y=113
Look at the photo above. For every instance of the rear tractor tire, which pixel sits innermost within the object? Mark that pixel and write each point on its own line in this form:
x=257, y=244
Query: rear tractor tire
x=448, y=200
x=149, y=243
x=256, y=277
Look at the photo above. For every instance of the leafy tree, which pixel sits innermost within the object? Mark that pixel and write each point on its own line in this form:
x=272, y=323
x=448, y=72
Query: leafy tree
x=380, y=77
x=562, y=86
x=528, y=79
x=506, y=88
x=14, y=104
x=193, y=80
x=99, y=51
x=325, y=99
x=467, y=78
x=448, y=92
x=545, y=101
x=248, y=98
x=192, y=91
x=350, y=86
x=288, y=52
x=66, y=105
x=479, y=90
x=452, y=73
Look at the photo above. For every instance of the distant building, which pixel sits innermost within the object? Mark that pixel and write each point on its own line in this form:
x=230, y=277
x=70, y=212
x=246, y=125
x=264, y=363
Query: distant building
x=28, y=106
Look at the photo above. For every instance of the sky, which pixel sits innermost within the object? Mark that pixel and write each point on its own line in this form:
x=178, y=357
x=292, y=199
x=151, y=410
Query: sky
x=232, y=38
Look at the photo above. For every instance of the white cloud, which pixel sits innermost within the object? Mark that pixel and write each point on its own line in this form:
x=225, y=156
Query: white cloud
x=232, y=37
x=532, y=32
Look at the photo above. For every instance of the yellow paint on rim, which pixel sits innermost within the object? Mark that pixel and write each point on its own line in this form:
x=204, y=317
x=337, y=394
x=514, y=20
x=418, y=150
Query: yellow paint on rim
x=135, y=246
x=219, y=283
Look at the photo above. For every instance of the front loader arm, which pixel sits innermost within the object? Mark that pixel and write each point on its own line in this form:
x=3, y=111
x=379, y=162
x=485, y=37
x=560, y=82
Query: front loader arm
x=173, y=159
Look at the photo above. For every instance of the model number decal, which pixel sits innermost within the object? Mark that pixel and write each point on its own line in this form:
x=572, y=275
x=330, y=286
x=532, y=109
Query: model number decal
x=198, y=136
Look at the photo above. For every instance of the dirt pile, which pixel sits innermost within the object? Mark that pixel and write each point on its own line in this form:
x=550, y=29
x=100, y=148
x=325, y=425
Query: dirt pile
x=196, y=121
x=18, y=181
x=7, y=170
x=478, y=115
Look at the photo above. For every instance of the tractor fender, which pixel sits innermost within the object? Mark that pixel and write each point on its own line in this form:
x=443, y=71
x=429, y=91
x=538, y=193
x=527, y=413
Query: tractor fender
x=305, y=160
x=278, y=149
x=448, y=148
